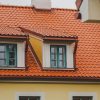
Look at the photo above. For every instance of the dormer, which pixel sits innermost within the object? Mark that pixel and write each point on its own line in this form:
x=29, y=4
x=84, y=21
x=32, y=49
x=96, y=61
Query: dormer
x=55, y=49
x=12, y=48
x=41, y=4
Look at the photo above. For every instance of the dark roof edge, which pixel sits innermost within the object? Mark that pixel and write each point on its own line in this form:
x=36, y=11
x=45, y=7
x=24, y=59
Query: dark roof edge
x=14, y=36
x=51, y=79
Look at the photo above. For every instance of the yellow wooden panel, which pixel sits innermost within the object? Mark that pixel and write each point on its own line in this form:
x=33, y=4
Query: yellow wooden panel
x=37, y=45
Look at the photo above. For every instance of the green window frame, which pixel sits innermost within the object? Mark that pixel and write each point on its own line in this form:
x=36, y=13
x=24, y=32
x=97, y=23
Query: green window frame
x=8, y=55
x=29, y=97
x=58, y=56
x=82, y=98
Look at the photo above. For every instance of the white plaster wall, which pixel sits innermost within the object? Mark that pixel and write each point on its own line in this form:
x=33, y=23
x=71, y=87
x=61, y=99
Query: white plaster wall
x=94, y=10
x=46, y=55
x=16, y=2
x=70, y=51
x=21, y=54
x=42, y=4
x=84, y=10
x=70, y=4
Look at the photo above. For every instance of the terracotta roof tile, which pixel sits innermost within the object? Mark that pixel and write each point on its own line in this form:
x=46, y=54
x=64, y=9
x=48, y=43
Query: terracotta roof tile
x=4, y=30
x=48, y=32
x=88, y=51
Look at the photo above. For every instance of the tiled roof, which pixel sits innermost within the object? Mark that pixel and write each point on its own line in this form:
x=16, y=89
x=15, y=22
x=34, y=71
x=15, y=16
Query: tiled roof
x=10, y=31
x=48, y=32
x=64, y=20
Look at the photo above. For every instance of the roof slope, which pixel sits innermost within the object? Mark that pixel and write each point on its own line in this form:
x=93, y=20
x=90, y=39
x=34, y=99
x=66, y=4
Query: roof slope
x=5, y=30
x=88, y=51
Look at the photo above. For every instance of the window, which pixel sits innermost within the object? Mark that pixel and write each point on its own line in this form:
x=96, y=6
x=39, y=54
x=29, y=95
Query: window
x=58, y=56
x=82, y=98
x=29, y=97
x=8, y=54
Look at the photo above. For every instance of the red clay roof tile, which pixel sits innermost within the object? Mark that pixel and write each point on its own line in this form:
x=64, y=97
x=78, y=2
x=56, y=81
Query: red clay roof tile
x=5, y=30
x=88, y=51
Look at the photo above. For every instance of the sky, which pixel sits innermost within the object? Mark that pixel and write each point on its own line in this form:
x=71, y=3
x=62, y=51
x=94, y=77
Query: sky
x=70, y=4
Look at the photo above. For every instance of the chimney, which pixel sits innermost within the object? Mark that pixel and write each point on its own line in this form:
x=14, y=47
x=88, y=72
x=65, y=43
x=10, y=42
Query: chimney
x=41, y=4
x=78, y=3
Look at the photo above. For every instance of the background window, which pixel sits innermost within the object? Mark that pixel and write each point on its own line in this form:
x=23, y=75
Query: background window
x=58, y=56
x=82, y=98
x=8, y=54
x=29, y=98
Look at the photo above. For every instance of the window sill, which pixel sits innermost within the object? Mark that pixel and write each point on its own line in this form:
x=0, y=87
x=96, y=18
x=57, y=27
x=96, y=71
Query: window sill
x=59, y=69
x=12, y=68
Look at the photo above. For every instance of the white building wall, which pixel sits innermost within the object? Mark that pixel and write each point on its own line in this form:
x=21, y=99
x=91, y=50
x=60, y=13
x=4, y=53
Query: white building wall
x=94, y=10
x=70, y=52
x=21, y=54
x=84, y=10
x=42, y=4
x=70, y=4
x=46, y=55
x=16, y=2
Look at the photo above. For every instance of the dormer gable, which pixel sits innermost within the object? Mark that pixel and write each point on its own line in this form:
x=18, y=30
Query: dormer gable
x=54, y=49
x=12, y=48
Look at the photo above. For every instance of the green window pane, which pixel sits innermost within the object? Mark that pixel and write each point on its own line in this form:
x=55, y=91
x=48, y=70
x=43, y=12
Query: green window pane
x=8, y=54
x=2, y=55
x=2, y=62
x=53, y=56
x=12, y=62
x=60, y=64
x=61, y=56
x=58, y=56
x=12, y=48
x=53, y=50
x=53, y=63
x=2, y=52
x=61, y=50
x=2, y=48
x=12, y=54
